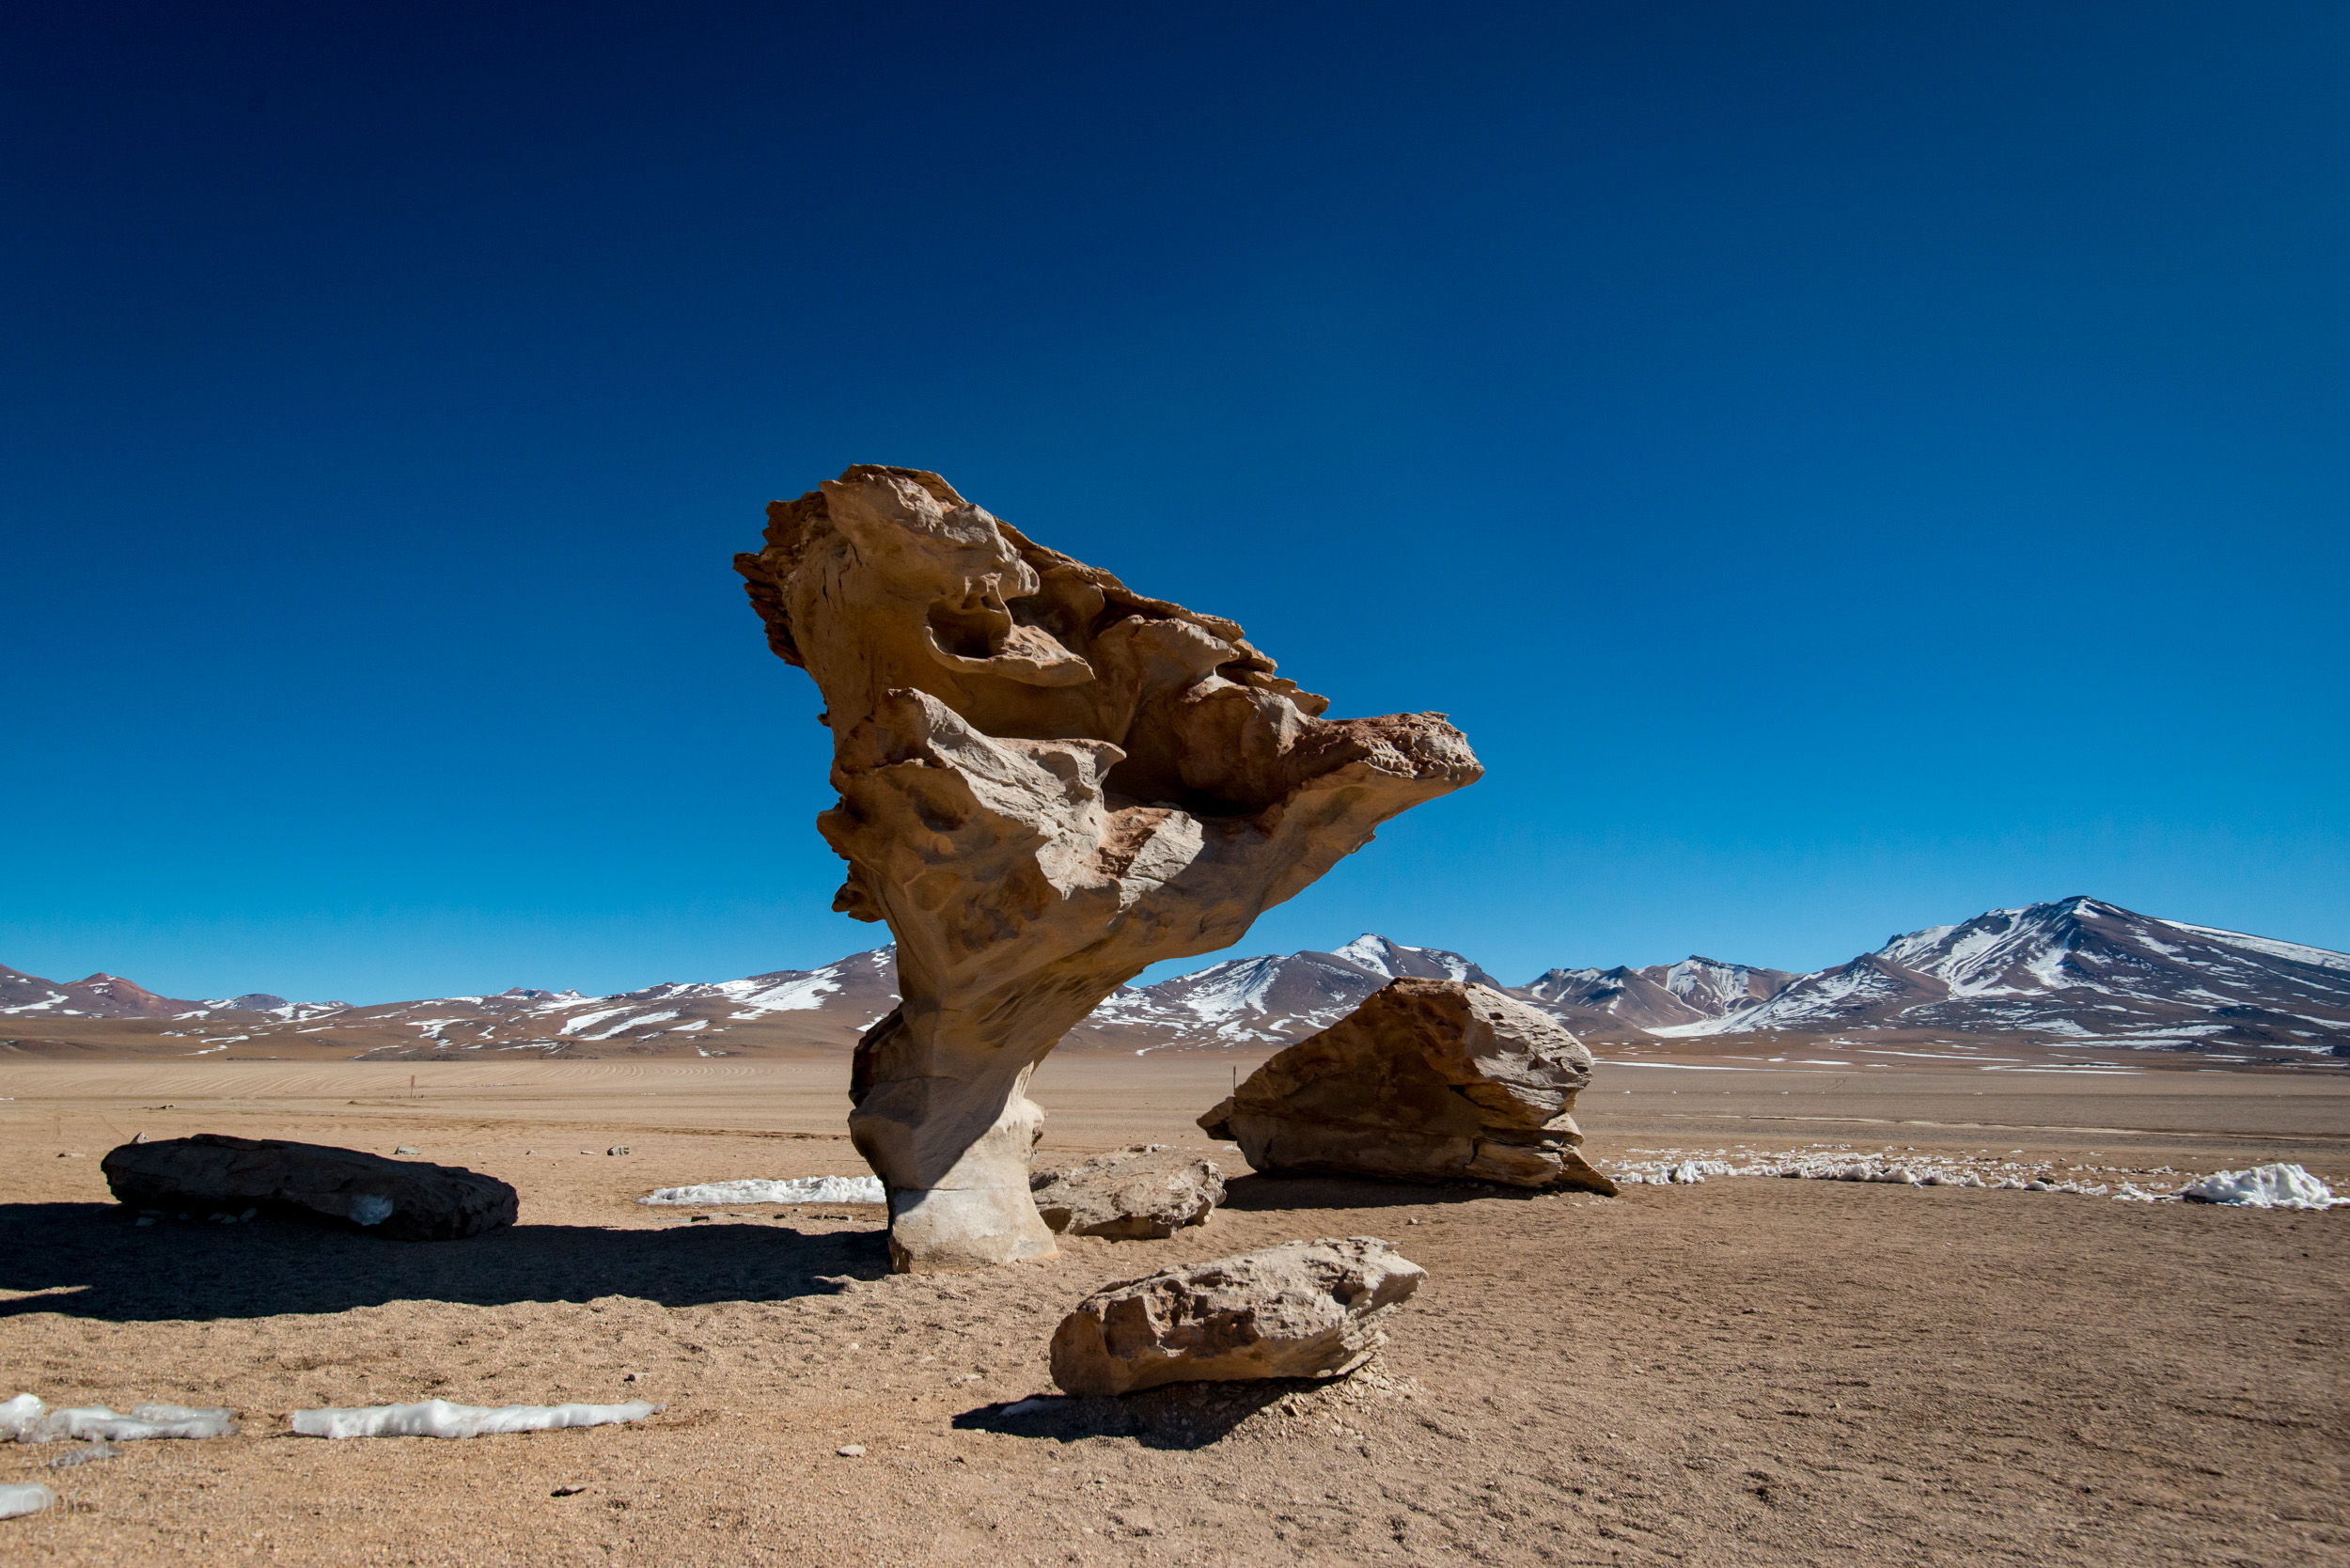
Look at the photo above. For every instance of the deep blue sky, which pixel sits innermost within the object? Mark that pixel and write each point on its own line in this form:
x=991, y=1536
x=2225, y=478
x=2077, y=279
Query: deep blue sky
x=1845, y=467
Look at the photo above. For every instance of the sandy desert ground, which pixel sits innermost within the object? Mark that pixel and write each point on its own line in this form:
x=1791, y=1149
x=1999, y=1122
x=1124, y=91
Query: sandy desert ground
x=1746, y=1371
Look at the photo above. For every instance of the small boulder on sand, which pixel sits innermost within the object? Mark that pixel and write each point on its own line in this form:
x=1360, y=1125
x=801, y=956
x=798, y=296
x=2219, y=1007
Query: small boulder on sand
x=1429, y=1080
x=1300, y=1309
x=1145, y=1193
x=401, y=1199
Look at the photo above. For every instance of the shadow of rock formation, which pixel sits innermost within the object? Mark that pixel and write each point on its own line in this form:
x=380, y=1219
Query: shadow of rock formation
x=94, y=1261
x=1179, y=1416
x=1277, y=1194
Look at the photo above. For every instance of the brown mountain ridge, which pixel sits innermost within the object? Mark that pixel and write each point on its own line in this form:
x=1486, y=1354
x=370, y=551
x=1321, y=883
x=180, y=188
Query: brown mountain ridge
x=2053, y=981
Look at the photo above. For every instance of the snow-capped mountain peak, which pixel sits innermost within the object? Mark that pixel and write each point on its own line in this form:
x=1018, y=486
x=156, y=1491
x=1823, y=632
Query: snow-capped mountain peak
x=1267, y=1000
x=1662, y=996
x=2078, y=967
x=1715, y=988
x=1391, y=961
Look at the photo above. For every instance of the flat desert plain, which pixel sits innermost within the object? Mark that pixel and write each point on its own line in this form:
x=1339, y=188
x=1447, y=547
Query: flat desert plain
x=1751, y=1371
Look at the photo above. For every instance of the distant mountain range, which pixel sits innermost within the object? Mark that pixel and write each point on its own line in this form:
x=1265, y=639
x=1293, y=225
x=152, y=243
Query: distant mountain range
x=2075, y=971
x=1694, y=990
x=104, y=995
x=830, y=1006
x=1264, y=1001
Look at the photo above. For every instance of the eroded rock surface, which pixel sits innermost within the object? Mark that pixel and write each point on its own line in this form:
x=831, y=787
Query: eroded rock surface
x=405, y=1199
x=1145, y=1193
x=1047, y=783
x=1427, y=1080
x=1300, y=1309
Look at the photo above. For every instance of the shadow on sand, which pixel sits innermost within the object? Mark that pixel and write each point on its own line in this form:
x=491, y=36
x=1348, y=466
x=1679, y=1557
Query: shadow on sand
x=1180, y=1416
x=1256, y=1194
x=94, y=1261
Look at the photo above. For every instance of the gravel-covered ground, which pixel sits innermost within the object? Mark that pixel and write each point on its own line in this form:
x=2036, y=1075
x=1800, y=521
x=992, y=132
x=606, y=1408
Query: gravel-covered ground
x=1749, y=1370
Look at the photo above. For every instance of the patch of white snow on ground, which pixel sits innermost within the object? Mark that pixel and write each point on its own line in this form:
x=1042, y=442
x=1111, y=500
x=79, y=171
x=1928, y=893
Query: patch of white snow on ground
x=29, y=1421
x=16, y=1501
x=2266, y=1186
x=1686, y=1173
x=437, y=1417
x=799, y=1189
x=2279, y=1186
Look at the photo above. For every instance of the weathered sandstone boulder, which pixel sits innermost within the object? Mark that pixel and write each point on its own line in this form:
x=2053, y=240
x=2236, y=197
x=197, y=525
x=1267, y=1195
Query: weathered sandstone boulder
x=405, y=1199
x=1141, y=1194
x=1300, y=1309
x=1427, y=1080
x=1047, y=783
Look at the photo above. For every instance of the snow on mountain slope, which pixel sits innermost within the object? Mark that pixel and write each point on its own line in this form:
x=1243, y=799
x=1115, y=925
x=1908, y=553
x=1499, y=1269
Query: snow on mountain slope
x=829, y=1006
x=1659, y=996
x=1625, y=994
x=2076, y=969
x=1241, y=1002
x=104, y=995
x=1391, y=961
x=1264, y=1001
x=1714, y=988
x=843, y=1000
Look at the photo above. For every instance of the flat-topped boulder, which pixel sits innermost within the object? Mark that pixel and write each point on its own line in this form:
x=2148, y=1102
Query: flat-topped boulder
x=404, y=1200
x=1145, y=1193
x=1305, y=1309
x=1429, y=1080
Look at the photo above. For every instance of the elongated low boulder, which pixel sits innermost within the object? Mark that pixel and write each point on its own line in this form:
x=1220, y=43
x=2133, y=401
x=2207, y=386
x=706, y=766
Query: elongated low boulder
x=1301, y=1310
x=1048, y=782
x=1141, y=1194
x=404, y=1200
x=1429, y=1080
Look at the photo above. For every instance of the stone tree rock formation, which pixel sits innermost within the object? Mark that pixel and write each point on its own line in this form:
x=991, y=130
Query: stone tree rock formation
x=1429, y=1080
x=1047, y=782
